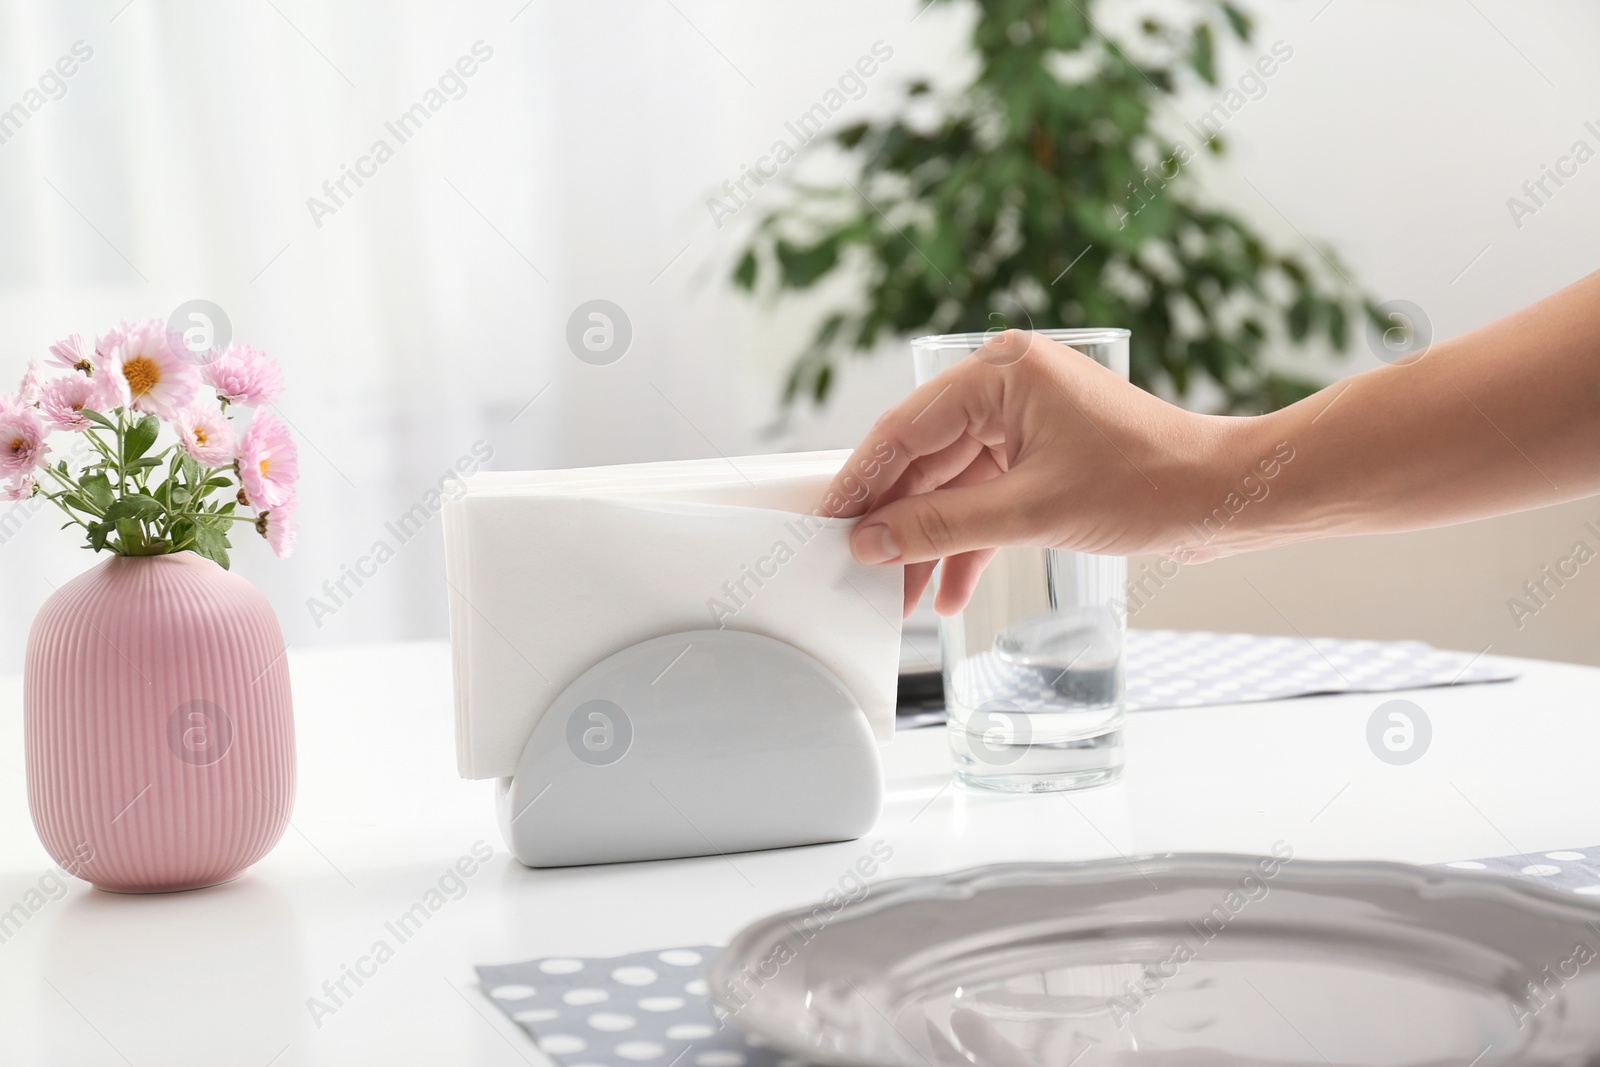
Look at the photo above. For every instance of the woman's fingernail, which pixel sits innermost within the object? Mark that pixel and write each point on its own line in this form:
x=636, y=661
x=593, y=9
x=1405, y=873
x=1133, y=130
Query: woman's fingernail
x=875, y=544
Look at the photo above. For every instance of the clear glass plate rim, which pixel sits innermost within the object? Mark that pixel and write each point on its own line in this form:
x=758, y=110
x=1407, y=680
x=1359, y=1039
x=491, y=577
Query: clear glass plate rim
x=754, y=940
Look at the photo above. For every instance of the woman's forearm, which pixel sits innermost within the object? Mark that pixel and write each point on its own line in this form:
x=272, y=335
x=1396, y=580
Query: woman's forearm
x=1504, y=418
x=1031, y=443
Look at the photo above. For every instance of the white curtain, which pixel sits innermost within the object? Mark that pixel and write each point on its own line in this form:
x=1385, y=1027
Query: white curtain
x=420, y=313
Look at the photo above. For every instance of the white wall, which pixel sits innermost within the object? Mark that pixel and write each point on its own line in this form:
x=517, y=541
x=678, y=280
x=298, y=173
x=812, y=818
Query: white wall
x=426, y=313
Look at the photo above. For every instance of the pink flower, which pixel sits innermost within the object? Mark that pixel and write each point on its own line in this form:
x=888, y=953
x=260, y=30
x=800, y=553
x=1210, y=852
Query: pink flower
x=113, y=337
x=19, y=488
x=22, y=446
x=268, y=462
x=160, y=382
x=244, y=375
x=110, y=384
x=205, y=435
x=32, y=384
x=278, y=528
x=73, y=353
x=63, y=399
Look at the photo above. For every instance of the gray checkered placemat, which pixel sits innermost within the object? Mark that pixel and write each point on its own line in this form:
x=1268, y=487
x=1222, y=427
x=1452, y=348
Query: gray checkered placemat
x=1185, y=668
x=1191, y=668
x=650, y=1009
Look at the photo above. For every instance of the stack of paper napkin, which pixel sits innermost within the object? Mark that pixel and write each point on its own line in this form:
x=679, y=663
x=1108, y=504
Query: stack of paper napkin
x=552, y=571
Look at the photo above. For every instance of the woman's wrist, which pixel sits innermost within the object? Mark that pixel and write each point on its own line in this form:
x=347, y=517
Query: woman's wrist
x=1241, y=469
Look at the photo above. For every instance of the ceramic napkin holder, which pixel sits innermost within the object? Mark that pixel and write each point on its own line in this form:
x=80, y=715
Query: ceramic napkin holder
x=669, y=659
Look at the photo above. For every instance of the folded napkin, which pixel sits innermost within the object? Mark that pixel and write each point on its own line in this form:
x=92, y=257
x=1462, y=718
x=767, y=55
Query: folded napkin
x=552, y=571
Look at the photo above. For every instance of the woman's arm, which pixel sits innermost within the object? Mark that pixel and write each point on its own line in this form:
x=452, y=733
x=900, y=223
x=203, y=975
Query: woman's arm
x=1031, y=443
x=1501, y=419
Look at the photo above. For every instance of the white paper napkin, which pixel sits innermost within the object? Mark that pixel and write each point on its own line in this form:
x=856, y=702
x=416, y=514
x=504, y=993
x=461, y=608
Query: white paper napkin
x=552, y=571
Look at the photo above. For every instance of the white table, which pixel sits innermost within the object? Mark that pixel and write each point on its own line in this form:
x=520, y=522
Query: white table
x=222, y=976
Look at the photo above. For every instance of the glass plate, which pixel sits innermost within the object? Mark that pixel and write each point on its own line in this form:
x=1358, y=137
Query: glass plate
x=1180, y=961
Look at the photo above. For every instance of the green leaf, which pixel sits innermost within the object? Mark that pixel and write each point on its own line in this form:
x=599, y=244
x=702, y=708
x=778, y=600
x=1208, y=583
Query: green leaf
x=1241, y=23
x=744, y=275
x=189, y=468
x=130, y=538
x=1203, y=58
x=139, y=437
x=801, y=265
x=1338, y=327
x=851, y=136
x=1066, y=27
x=823, y=382
x=98, y=532
x=211, y=543
x=134, y=506
x=98, y=419
x=97, y=489
x=1300, y=317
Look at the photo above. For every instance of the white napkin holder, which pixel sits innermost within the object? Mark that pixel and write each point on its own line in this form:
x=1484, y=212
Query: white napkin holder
x=699, y=743
x=621, y=721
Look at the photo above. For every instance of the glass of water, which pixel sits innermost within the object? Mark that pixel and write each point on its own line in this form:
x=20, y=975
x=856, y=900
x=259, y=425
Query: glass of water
x=1033, y=680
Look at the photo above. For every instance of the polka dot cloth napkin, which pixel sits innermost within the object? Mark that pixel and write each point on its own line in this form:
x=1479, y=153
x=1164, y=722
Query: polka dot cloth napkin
x=644, y=1010
x=1576, y=869
x=1178, y=669
x=650, y=1009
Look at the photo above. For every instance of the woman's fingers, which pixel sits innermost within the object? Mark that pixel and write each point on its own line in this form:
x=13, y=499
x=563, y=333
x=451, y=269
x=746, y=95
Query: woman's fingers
x=917, y=577
x=931, y=472
x=954, y=519
x=964, y=400
x=959, y=574
x=958, y=577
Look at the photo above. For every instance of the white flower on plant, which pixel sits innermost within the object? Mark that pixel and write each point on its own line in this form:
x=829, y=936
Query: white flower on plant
x=204, y=433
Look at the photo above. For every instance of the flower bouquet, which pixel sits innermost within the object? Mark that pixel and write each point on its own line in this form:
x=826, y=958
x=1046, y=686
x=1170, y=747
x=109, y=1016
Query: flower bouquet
x=116, y=396
x=157, y=666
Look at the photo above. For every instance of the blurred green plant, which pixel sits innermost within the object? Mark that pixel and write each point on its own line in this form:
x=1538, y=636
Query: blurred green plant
x=1045, y=193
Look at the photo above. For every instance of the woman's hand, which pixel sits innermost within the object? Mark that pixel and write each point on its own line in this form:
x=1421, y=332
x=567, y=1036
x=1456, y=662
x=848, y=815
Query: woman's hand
x=1028, y=442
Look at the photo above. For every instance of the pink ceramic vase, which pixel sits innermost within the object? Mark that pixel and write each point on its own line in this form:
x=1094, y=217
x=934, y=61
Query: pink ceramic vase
x=160, y=732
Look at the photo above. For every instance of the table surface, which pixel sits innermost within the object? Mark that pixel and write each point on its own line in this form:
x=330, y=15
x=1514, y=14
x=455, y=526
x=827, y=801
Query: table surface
x=224, y=975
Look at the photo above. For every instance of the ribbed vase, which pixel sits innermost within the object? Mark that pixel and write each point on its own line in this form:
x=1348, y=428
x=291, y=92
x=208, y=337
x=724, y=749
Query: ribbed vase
x=159, y=725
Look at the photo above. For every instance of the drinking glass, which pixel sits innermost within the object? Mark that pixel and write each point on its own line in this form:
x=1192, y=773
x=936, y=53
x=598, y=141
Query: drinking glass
x=1033, y=666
